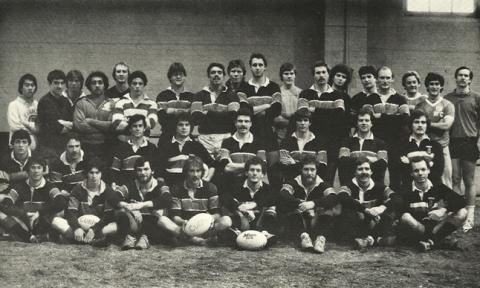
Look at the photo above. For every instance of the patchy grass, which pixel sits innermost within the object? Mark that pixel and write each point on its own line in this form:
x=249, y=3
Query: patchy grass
x=54, y=265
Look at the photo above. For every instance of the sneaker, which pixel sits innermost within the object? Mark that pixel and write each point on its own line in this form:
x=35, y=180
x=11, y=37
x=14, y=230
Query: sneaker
x=129, y=243
x=198, y=241
x=306, y=241
x=467, y=225
x=426, y=245
x=271, y=239
x=34, y=239
x=362, y=243
x=142, y=243
x=100, y=242
x=319, y=245
x=387, y=240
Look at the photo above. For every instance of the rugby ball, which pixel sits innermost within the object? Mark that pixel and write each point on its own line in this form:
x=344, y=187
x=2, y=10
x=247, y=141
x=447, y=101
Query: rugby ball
x=87, y=221
x=198, y=224
x=251, y=240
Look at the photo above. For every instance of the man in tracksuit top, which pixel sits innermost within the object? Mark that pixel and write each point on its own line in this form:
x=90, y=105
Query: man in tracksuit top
x=375, y=207
x=432, y=211
x=29, y=208
x=300, y=198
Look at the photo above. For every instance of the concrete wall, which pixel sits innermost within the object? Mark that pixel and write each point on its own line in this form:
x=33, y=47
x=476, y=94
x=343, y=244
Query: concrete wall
x=40, y=36
x=426, y=44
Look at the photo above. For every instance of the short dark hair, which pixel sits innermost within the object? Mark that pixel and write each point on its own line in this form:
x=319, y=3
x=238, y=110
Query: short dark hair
x=361, y=160
x=74, y=74
x=21, y=134
x=135, y=118
x=214, y=64
x=341, y=68
x=24, y=78
x=100, y=74
x=184, y=117
x=287, y=67
x=365, y=111
x=55, y=74
x=369, y=69
x=415, y=114
x=256, y=161
x=137, y=74
x=36, y=159
x=408, y=74
x=115, y=69
x=301, y=114
x=236, y=63
x=464, y=67
x=140, y=162
x=308, y=159
x=72, y=136
x=176, y=68
x=95, y=162
x=320, y=64
x=258, y=56
x=431, y=76
x=417, y=159
x=191, y=162
x=245, y=111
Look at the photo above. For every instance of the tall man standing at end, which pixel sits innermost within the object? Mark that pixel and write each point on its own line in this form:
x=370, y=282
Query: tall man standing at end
x=464, y=138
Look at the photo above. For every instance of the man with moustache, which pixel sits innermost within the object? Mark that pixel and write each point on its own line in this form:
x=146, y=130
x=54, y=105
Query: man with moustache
x=68, y=169
x=464, y=138
x=440, y=113
x=432, y=211
x=120, y=74
x=214, y=108
x=54, y=116
x=391, y=120
x=22, y=112
x=174, y=100
x=92, y=116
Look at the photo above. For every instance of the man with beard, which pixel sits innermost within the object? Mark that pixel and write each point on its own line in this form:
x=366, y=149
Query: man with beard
x=391, y=120
x=300, y=198
x=433, y=211
x=126, y=153
x=68, y=170
x=22, y=112
x=29, y=208
x=362, y=144
x=191, y=197
x=15, y=163
x=441, y=113
x=178, y=148
x=174, y=100
x=464, y=138
x=411, y=83
x=252, y=204
x=368, y=78
x=135, y=103
x=141, y=207
x=92, y=116
x=74, y=82
x=121, y=88
x=54, y=116
x=214, y=108
x=372, y=208
x=419, y=144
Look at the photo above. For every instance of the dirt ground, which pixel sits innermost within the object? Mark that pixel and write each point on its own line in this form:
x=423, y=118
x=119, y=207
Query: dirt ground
x=55, y=265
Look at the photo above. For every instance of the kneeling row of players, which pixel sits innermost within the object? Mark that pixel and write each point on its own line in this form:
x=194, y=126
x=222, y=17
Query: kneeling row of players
x=306, y=209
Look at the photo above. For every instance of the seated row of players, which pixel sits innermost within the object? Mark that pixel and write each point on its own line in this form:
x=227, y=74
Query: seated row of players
x=71, y=169
x=363, y=212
